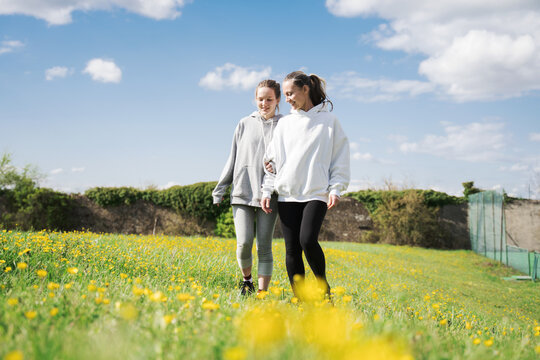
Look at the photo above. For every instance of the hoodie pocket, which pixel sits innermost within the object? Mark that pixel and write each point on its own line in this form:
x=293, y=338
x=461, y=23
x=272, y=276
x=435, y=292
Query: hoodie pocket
x=242, y=186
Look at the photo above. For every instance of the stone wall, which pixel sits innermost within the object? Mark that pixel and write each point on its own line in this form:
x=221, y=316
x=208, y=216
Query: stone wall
x=523, y=224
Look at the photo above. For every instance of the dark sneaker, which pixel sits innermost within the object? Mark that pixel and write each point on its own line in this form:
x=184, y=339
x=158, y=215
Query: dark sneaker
x=246, y=287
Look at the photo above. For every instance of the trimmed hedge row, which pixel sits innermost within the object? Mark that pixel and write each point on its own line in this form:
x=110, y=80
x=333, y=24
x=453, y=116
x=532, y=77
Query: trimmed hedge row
x=372, y=199
x=36, y=209
x=195, y=200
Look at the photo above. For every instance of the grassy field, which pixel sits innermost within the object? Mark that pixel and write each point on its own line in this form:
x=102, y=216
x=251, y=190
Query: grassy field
x=98, y=296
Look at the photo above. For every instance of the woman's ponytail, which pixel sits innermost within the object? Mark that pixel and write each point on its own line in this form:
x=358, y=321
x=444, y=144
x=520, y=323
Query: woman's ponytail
x=316, y=84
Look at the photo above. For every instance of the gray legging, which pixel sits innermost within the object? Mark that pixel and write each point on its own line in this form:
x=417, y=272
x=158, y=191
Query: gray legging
x=244, y=222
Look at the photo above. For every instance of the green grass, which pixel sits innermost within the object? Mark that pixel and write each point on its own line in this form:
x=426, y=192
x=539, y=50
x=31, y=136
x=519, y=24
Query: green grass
x=127, y=300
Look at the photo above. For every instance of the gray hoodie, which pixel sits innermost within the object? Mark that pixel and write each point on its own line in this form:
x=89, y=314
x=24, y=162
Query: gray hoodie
x=244, y=169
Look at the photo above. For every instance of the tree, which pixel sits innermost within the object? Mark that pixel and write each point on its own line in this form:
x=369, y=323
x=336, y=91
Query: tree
x=469, y=189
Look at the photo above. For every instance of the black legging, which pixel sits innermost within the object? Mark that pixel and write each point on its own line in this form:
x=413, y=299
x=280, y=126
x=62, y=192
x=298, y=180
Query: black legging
x=300, y=224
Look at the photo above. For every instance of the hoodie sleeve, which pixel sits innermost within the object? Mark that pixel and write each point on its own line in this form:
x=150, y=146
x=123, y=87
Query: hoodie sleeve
x=340, y=163
x=267, y=186
x=226, y=178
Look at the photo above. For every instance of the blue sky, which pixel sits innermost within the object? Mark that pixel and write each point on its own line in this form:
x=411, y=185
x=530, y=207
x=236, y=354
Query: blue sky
x=134, y=93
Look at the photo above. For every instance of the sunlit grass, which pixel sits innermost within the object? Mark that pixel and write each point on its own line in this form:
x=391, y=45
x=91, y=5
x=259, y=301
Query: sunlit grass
x=98, y=296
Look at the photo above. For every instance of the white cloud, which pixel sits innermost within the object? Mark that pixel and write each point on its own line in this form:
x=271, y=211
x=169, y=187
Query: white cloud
x=476, y=50
x=103, y=71
x=534, y=136
x=56, y=72
x=234, y=77
x=8, y=46
x=77, y=169
x=352, y=85
x=474, y=142
x=362, y=156
x=57, y=171
x=58, y=12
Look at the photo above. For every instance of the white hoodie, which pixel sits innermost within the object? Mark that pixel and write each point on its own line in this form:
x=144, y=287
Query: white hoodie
x=310, y=153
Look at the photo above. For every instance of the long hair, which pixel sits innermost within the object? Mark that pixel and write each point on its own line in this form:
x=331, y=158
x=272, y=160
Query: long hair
x=316, y=84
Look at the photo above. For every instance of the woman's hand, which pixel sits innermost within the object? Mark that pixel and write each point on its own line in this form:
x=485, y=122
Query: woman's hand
x=333, y=200
x=268, y=166
x=265, y=205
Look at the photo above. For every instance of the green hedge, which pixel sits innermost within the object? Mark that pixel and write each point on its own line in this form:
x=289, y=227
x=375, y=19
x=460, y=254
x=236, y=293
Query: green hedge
x=195, y=200
x=372, y=199
x=36, y=209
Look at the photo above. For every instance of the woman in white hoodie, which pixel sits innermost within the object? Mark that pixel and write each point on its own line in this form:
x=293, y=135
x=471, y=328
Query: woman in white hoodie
x=244, y=172
x=310, y=155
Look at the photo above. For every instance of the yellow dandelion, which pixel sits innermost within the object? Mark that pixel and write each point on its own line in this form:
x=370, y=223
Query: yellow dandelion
x=8, y=269
x=73, y=270
x=347, y=298
x=338, y=290
x=14, y=355
x=128, y=311
x=443, y=322
x=158, y=296
x=41, y=273
x=468, y=325
x=185, y=297
x=12, y=301
x=537, y=349
x=477, y=341
x=235, y=353
x=53, y=311
x=261, y=295
x=22, y=265
x=53, y=286
x=123, y=276
x=92, y=287
x=167, y=319
x=488, y=343
x=30, y=314
x=294, y=300
x=376, y=317
x=209, y=305
x=235, y=305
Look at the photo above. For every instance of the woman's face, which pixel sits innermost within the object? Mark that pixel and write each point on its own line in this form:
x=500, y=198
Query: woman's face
x=295, y=95
x=266, y=102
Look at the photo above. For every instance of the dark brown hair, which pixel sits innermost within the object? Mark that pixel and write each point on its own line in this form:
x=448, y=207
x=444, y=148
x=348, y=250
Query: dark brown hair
x=316, y=84
x=272, y=84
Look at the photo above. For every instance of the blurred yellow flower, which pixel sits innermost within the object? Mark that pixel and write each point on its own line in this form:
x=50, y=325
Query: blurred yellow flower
x=12, y=301
x=209, y=305
x=53, y=286
x=30, y=314
x=8, y=269
x=92, y=287
x=14, y=355
x=41, y=273
x=443, y=322
x=22, y=265
x=128, y=311
x=262, y=326
x=167, y=319
x=185, y=297
x=235, y=353
x=468, y=325
x=53, y=311
x=488, y=343
x=73, y=270
x=477, y=341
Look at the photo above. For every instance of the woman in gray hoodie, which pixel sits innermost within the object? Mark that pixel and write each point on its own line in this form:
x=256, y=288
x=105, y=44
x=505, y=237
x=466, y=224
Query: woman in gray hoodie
x=244, y=172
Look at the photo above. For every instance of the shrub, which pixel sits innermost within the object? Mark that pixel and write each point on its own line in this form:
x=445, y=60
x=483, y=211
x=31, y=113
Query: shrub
x=404, y=218
x=194, y=200
x=225, y=225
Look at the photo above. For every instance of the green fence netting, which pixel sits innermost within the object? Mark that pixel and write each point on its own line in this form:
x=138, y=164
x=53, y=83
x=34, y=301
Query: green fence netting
x=487, y=228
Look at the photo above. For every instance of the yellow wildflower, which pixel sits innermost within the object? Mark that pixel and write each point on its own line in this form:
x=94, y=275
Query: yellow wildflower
x=73, y=270
x=235, y=353
x=12, y=301
x=14, y=355
x=30, y=314
x=53, y=311
x=22, y=265
x=41, y=273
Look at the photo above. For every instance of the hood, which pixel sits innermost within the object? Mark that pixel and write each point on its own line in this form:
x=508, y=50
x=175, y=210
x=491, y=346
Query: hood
x=258, y=116
x=322, y=107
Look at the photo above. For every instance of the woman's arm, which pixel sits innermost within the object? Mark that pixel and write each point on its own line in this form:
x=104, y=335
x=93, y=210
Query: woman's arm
x=226, y=178
x=339, y=172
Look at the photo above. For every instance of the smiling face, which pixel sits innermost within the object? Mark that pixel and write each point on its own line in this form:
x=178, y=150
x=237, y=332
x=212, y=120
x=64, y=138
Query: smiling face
x=298, y=97
x=266, y=102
